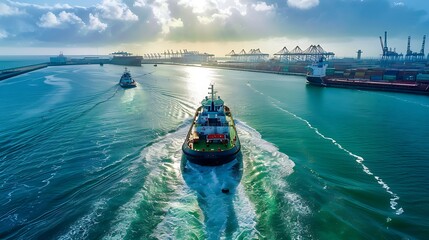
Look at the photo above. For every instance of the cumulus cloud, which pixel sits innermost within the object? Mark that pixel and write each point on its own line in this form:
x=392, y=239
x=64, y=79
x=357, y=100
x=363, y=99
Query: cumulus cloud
x=303, y=4
x=200, y=6
x=139, y=3
x=162, y=14
x=262, y=7
x=50, y=20
x=70, y=18
x=95, y=24
x=208, y=11
x=114, y=22
x=117, y=10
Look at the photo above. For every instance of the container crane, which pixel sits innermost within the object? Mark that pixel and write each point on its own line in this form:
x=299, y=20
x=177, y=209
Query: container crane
x=409, y=52
x=388, y=55
x=422, y=51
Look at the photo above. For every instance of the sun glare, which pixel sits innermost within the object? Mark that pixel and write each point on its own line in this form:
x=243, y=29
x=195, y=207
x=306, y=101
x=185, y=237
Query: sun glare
x=198, y=81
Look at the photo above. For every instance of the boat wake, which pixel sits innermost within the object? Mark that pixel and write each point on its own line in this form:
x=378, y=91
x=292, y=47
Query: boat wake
x=178, y=199
x=402, y=99
x=393, y=196
x=62, y=88
x=267, y=170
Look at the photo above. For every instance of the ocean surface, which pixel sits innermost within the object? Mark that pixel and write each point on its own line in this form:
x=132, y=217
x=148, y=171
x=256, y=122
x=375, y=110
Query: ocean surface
x=7, y=62
x=81, y=158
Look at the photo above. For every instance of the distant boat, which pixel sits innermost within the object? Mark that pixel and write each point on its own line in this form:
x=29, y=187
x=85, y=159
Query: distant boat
x=155, y=65
x=101, y=64
x=212, y=139
x=127, y=80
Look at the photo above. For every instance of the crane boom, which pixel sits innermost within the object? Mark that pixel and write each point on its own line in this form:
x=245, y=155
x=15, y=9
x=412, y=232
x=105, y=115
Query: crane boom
x=382, y=47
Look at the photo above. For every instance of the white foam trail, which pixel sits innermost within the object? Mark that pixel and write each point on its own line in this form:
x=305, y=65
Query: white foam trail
x=394, y=197
x=165, y=147
x=225, y=215
x=199, y=207
x=80, y=229
x=403, y=100
x=181, y=209
x=279, y=166
x=129, y=95
x=48, y=180
x=55, y=97
x=254, y=89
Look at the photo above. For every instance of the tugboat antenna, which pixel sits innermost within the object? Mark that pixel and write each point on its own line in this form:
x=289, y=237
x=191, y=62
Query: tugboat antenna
x=212, y=92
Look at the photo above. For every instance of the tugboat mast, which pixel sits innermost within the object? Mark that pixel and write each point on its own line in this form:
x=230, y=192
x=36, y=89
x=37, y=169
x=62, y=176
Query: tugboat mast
x=212, y=93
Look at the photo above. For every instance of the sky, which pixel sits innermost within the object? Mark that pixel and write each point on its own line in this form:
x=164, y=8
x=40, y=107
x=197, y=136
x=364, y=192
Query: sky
x=99, y=27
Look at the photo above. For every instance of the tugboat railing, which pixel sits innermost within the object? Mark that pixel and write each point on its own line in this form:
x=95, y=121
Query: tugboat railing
x=193, y=123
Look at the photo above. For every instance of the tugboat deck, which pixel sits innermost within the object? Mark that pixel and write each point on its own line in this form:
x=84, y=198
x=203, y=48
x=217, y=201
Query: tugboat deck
x=203, y=143
x=212, y=138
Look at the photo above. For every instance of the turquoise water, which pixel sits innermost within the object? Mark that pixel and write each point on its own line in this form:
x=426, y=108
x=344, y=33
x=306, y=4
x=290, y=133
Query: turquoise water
x=7, y=62
x=81, y=158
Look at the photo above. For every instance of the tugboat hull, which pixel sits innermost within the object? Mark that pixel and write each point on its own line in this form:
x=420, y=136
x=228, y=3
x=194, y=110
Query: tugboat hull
x=319, y=81
x=207, y=153
x=211, y=158
x=128, y=85
x=126, y=80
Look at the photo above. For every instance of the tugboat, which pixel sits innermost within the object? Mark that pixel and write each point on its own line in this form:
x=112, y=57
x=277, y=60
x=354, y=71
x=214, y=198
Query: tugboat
x=212, y=139
x=126, y=80
x=317, y=73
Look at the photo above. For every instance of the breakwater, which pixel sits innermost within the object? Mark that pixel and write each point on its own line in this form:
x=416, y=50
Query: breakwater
x=11, y=72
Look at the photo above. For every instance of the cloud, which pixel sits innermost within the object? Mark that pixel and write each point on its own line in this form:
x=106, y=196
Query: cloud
x=112, y=22
x=117, y=10
x=6, y=10
x=3, y=34
x=303, y=4
x=262, y=7
x=162, y=14
x=95, y=24
x=50, y=20
x=200, y=6
x=208, y=11
x=140, y=3
x=56, y=6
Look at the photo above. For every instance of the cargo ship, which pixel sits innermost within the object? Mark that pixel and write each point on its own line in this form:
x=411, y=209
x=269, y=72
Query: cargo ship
x=411, y=83
x=212, y=139
x=126, y=59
